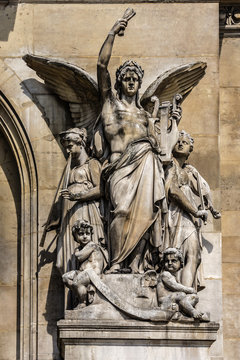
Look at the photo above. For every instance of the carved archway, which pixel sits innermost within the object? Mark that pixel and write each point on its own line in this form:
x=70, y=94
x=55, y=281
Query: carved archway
x=14, y=132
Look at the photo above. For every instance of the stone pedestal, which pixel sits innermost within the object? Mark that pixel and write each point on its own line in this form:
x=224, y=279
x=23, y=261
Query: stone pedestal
x=135, y=340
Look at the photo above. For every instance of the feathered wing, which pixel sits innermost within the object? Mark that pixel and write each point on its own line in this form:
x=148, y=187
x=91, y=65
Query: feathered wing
x=179, y=80
x=73, y=85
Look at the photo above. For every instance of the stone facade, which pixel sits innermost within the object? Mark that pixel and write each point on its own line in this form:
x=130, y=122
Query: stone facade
x=32, y=159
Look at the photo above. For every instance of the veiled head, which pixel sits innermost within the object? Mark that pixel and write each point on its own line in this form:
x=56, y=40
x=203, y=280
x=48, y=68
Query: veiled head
x=73, y=140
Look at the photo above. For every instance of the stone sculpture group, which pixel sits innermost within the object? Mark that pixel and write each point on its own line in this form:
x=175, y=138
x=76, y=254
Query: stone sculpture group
x=129, y=198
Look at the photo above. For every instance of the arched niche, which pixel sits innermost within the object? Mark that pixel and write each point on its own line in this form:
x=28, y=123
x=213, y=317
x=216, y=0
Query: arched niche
x=26, y=205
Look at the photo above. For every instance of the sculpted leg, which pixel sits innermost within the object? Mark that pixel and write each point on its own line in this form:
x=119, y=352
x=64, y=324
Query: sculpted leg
x=116, y=230
x=68, y=278
x=187, y=305
x=192, y=260
x=136, y=257
x=80, y=284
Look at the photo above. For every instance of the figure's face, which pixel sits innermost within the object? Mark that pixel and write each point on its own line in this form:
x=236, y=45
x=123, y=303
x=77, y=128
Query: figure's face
x=172, y=263
x=71, y=145
x=182, y=147
x=83, y=235
x=130, y=83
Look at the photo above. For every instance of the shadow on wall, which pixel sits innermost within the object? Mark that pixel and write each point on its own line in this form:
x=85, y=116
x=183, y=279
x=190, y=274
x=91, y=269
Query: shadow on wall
x=7, y=18
x=51, y=299
x=10, y=245
x=54, y=112
x=54, y=304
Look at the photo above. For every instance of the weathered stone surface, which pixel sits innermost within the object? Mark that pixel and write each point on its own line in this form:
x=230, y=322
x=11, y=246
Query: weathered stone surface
x=230, y=223
x=205, y=156
x=210, y=299
x=229, y=130
x=151, y=340
x=7, y=352
x=229, y=70
x=19, y=19
x=211, y=256
x=231, y=276
x=231, y=349
x=229, y=123
x=231, y=249
x=186, y=41
x=230, y=312
x=44, y=29
x=230, y=185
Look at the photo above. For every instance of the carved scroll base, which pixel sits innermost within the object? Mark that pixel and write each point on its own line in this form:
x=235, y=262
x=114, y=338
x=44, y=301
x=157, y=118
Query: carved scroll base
x=130, y=339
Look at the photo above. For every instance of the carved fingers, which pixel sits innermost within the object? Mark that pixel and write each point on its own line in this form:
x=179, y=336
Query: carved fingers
x=177, y=115
x=119, y=27
x=215, y=213
x=203, y=214
x=66, y=194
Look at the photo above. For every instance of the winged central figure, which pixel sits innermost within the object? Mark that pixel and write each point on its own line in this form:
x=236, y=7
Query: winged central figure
x=134, y=177
x=125, y=137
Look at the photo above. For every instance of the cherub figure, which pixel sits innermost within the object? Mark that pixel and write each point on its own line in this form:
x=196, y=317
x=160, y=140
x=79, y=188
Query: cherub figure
x=123, y=131
x=90, y=256
x=171, y=293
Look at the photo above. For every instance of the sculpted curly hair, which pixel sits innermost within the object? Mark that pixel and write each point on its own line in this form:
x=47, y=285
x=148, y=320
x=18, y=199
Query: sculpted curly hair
x=129, y=65
x=176, y=252
x=81, y=224
x=183, y=133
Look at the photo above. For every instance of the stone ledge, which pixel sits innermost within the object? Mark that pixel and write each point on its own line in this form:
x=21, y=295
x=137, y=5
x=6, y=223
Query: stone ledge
x=230, y=31
x=113, y=1
x=77, y=332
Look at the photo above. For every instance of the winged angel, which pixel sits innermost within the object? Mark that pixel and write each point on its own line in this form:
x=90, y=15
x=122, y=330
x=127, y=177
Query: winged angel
x=127, y=135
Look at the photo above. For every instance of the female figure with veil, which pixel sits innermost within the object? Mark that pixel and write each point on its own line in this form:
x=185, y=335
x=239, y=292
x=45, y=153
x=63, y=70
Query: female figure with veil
x=126, y=136
x=80, y=198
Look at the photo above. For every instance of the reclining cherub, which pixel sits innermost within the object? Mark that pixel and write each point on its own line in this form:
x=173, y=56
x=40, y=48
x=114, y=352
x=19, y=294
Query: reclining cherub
x=171, y=293
x=90, y=256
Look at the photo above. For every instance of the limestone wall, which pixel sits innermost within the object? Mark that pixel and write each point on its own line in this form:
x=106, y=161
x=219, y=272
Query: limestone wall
x=230, y=180
x=159, y=37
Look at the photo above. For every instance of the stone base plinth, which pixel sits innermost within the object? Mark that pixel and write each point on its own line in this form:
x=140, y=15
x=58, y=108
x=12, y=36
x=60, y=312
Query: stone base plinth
x=135, y=340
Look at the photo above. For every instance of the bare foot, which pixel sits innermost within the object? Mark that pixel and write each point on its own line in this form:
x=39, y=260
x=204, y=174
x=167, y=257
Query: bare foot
x=197, y=314
x=113, y=270
x=176, y=316
x=80, y=306
x=205, y=317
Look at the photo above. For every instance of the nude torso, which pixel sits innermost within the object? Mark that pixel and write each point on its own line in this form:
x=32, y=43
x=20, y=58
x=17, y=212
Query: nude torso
x=95, y=260
x=122, y=125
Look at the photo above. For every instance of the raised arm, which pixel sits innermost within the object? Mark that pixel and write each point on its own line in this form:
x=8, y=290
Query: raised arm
x=104, y=81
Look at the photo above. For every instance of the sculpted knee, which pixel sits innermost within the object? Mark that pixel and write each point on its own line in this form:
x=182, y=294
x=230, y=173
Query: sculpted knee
x=123, y=213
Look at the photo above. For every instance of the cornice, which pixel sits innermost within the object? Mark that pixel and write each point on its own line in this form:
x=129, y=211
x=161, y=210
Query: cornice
x=111, y=1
